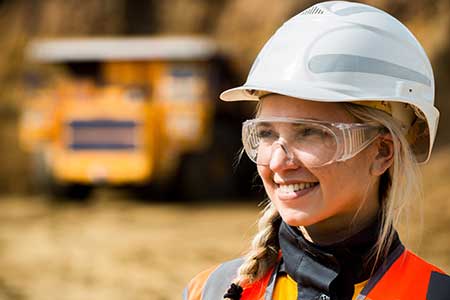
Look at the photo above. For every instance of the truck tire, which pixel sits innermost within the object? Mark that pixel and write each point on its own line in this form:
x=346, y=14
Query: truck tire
x=70, y=191
x=44, y=183
x=210, y=174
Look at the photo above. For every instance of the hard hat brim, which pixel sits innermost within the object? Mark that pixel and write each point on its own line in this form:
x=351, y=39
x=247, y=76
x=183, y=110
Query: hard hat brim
x=242, y=93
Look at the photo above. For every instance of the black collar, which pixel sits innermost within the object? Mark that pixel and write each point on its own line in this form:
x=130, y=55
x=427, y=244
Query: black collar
x=329, y=271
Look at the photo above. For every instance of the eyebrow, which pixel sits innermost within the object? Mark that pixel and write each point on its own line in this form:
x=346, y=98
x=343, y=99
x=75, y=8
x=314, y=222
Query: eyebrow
x=271, y=125
x=266, y=124
x=292, y=118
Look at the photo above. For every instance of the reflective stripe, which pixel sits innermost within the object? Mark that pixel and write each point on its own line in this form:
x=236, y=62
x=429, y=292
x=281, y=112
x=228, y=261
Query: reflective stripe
x=185, y=293
x=272, y=281
x=355, y=10
x=439, y=287
x=258, y=289
x=194, y=290
x=219, y=281
x=407, y=278
x=328, y=63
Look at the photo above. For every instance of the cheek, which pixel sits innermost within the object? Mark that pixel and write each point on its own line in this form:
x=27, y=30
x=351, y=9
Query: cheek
x=265, y=174
x=343, y=186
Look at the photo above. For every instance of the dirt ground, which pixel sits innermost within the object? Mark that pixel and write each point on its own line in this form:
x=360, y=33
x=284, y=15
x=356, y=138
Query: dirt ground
x=114, y=248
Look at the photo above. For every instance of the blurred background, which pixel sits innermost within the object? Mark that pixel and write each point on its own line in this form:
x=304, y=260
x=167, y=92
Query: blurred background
x=119, y=176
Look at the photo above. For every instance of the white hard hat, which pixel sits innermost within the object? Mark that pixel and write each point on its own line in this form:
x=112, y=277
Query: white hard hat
x=342, y=51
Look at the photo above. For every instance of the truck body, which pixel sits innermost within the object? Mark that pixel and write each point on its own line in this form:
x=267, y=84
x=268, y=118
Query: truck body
x=126, y=111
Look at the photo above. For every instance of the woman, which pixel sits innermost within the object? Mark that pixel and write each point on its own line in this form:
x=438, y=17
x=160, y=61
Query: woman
x=345, y=112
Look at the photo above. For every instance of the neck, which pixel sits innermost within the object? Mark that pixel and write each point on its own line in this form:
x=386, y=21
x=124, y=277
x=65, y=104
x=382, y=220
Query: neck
x=339, y=228
x=327, y=234
x=330, y=269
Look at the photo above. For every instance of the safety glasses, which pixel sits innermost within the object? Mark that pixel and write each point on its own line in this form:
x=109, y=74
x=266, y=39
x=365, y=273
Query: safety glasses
x=313, y=143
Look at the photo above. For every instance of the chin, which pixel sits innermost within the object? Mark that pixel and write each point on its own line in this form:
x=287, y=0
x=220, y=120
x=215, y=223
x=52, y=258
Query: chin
x=296, y=218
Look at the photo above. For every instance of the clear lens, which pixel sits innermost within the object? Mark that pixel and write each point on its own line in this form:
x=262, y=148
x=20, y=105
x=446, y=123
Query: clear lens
x=314, y=143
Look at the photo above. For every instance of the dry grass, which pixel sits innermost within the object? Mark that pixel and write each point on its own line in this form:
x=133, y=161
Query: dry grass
x=117, y=249
x=112, y=249
x=434, y=243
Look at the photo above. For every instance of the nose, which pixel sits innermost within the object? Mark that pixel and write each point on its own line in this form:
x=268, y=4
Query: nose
x=282, y=158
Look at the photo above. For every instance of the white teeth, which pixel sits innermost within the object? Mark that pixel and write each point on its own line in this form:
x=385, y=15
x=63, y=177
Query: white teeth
x=289, y=188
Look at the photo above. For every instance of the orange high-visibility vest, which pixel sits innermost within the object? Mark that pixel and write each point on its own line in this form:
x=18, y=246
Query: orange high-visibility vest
x=405, y=276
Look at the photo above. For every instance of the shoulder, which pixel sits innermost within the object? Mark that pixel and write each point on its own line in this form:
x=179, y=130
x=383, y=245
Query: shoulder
x=437, y=282
x=213, y=282
x=411, y=262
x=408, y=276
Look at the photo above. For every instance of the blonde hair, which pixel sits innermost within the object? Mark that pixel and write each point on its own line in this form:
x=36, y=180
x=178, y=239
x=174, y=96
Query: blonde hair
x=399, y=186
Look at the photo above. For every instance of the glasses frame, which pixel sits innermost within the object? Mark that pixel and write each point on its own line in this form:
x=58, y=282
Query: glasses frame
x=351, y=138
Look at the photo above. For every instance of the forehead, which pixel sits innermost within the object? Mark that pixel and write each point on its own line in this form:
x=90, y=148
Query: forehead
x=275, y=105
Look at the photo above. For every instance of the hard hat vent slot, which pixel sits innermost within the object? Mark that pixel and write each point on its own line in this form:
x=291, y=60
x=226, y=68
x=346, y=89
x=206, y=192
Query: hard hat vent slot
x=312, y=11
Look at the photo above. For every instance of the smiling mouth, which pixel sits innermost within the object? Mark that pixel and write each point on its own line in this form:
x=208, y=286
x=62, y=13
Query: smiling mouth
x=297, y=187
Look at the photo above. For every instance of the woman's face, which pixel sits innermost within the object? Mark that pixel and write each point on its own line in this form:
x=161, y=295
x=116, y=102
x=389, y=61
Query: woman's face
x=343, y=192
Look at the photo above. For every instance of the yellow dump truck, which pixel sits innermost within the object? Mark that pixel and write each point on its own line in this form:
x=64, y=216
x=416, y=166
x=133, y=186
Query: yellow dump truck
x=126, y=111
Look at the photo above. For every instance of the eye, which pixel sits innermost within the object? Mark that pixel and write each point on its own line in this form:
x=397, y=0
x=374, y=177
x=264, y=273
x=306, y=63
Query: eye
x=265, y=133
x=307, y=132
x=310, y=131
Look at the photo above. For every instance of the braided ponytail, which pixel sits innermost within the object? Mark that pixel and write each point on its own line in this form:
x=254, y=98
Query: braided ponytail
x=263, y=253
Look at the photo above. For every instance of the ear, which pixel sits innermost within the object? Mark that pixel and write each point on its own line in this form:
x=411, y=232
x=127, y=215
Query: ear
x=384, y=157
